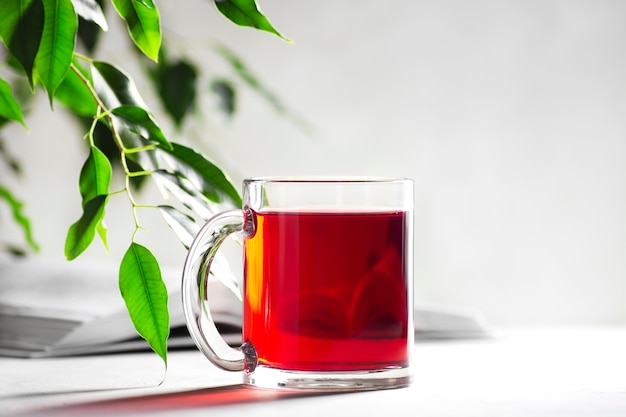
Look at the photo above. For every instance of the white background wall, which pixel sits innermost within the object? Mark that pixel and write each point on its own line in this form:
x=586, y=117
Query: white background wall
x=509, y=116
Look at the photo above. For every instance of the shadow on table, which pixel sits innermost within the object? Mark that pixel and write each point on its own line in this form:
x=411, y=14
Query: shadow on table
x=184, y=400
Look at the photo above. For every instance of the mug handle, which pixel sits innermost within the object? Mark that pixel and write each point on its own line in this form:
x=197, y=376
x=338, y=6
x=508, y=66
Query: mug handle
x=194, y=292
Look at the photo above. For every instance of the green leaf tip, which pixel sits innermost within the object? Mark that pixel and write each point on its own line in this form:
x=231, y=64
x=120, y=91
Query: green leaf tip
x=9, y=107
x=56, y=49
x=81, y=234
x=143, y=23
x=247, y=13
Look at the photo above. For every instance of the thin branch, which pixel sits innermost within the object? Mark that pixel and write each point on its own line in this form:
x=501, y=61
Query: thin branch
x=103, y=111
x=85, y=81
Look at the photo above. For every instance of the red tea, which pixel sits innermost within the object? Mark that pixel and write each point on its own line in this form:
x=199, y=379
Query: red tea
x=328, y=290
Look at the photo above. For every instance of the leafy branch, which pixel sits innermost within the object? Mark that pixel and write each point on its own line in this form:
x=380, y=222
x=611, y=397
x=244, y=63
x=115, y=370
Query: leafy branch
x=40, y=37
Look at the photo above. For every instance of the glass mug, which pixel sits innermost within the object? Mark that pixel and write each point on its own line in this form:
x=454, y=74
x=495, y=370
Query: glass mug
x=328, y=278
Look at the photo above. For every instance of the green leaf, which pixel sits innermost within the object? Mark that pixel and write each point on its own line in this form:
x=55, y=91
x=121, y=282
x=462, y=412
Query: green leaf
x=114, y=86
x=95, y=175
x=14, y=250
x=143, y=22
x=9, y=107
x=184, y=226
x=19, y=216
x=141, y=122
x=90, y=10
x=81, y=234
x=75, y=95
x=177, y=88
x=89, y=34
x=226, y=96
x=145, y=295
x=186, y=229
x=94, y=180
x=21, y=27
x=187, y=193
x=220, y=269
x=246, y=13
x=57, y=44
x=88, y=31
x=205, y=175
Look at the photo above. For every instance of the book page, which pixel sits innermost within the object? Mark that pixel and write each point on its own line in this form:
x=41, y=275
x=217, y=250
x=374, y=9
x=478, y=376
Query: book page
x=77, y=289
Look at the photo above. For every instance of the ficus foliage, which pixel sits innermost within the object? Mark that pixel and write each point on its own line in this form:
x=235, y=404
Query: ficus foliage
x=41, y=38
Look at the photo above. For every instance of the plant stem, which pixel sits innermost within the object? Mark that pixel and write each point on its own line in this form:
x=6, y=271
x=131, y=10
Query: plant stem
x=87, y=83
x=129, y=151
x=82, y=57
x=92, y=128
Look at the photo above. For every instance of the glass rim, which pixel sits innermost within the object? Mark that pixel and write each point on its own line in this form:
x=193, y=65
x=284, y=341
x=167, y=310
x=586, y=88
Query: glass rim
x=327, y=179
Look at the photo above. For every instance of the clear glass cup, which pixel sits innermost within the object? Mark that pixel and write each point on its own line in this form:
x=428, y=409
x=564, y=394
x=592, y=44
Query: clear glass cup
x=328, y=278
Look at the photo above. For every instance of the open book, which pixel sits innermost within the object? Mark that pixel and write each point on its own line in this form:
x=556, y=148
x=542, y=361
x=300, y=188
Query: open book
x=57, y=308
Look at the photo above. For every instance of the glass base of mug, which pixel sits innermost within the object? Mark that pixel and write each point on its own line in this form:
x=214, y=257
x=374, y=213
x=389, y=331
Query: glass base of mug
x=266, y=377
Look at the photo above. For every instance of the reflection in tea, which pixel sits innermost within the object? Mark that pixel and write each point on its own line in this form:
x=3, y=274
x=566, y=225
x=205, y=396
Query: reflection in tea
x=328, y=290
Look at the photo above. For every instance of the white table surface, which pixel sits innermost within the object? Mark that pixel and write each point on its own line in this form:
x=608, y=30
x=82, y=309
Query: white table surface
x=523, y=372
